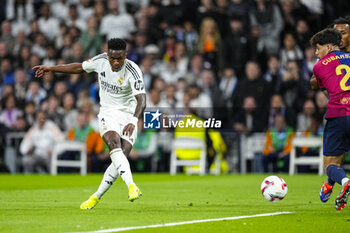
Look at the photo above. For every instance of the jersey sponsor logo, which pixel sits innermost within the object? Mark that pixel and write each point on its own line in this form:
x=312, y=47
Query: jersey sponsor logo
x=139, y=85
x=345, y=100
x=110, y=88
x=120, y=81
x=151, y=120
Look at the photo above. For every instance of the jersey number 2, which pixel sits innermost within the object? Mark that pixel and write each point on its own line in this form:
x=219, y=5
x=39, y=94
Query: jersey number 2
x=346, y=77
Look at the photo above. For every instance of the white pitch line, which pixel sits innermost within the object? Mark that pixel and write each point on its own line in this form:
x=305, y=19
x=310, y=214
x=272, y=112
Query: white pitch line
x=184, y=223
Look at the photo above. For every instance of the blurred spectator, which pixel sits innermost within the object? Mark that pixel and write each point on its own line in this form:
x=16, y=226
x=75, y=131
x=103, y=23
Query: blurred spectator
x=115, y=23
x=76, y=83
x=274, y=73
x=4, y=51
x=23, y=59
x=168, y=45
x=99, y=11
x=82, y=131
x=236, y=44
x=277, y=107
x=6, y=34
x=69, y=111
x=59, y=89
x=171, y=73
x=170, y=96
x=53, y=112
x=48, y=24
x=91, y=39
x=195, y=69
x=10, y=112
x=146, y=66
x=308, y=63
x=170, y=13
x=20, y=87
x=6, y=90
x=303, y=34
x=190, y=37
x=6, y=71
x=20, y=13
x=294, y=88
x=19, y=42
x=321, y=105
x=29, y=112
x=50, y=56
x=266, y=16
x=228, y=84
x=86, y=105
x=35, y=92
x=154, y=101
x=290, y=50
x=60, y=9
x=74, y=18
x=293, y=11
x=85, y=9
x=182, y=60
x=210, y=44
x=200, y=101
x=180, y=89
x=39, y=46
x=48, y=82
x=208, y=84
x=249, y=118
x=240, y=8
x=38, y=144
x=252, y=85
x=278, y=146
x=76, y=53
x=305, y=117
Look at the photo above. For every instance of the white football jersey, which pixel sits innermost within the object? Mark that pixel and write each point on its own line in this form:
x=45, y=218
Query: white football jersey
x=117, y=89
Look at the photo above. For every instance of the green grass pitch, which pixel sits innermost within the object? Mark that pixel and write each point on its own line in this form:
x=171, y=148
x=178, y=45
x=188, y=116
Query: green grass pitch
x=51, y=204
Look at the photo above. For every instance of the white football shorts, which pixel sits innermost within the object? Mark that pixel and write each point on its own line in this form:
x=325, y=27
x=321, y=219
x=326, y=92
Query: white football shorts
x=115, y=120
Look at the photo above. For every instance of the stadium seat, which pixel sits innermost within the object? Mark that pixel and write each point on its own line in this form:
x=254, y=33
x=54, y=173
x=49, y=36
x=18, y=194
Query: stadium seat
x=64, y=146
x=251, y=147
x=298, y=142
x=187, y=143
x=12, y=154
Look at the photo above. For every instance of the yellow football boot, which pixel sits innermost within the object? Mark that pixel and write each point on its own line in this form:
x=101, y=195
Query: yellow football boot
x=90, y=203
x=134, y=192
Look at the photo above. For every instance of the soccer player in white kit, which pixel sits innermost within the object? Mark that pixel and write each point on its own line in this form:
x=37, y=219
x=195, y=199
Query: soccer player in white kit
x=122, y=102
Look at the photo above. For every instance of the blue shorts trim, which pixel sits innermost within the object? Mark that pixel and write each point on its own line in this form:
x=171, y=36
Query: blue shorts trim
x=336, y=137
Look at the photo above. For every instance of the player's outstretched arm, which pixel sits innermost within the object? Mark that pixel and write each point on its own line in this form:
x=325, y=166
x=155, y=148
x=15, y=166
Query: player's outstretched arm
x=73, y=68
x=140, y=107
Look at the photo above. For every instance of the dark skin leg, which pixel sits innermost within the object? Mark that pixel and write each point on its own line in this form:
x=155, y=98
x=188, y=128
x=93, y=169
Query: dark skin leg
x=113, y=141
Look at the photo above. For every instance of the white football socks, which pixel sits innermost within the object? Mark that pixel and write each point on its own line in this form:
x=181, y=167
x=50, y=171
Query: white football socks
x=344, y=180
x=122, y=164
x=110, y=176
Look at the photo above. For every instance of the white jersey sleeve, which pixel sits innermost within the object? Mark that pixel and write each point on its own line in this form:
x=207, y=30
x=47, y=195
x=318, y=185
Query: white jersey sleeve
x=136, y=82
x=94, y=64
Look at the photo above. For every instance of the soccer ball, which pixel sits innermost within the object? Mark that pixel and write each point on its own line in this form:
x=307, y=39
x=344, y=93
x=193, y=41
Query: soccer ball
x=274, y=188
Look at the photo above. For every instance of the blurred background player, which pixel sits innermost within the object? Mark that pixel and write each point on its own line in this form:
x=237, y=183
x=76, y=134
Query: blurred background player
x=122, y=94
x=332, y=73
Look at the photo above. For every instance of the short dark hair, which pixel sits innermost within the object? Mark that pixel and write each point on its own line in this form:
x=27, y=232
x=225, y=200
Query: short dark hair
x=326, y=36
x=116, y=44
x=341, y=20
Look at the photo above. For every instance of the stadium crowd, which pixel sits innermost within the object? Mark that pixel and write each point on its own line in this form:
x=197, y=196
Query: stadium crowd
x=245, y=62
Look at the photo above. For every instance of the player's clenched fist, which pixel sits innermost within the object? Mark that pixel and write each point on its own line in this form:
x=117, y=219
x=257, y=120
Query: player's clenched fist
x=40, y=70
